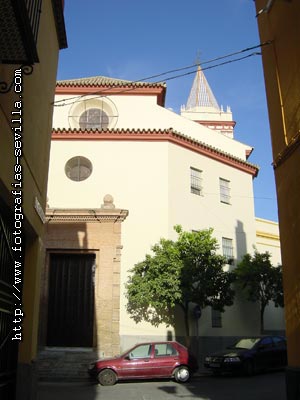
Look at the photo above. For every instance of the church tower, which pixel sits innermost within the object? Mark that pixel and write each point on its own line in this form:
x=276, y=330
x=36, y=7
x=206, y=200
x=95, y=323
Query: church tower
x=202, y=107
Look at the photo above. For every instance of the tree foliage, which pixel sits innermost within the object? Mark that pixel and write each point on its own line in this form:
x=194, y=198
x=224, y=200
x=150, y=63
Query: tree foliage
x=261, y=281
x=180, y=272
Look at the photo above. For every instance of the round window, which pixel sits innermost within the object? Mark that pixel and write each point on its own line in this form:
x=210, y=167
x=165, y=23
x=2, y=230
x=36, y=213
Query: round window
x=78, y=168
x=93, y=113
x=93, y=118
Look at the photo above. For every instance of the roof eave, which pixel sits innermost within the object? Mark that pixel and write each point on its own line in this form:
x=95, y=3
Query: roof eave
x=107, y=90
x=157, y=135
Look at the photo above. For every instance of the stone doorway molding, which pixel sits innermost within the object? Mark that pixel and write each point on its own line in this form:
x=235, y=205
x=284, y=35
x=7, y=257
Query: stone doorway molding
x=96, y=231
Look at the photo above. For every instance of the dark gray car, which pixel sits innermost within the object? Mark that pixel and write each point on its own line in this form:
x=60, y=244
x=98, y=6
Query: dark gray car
x=249, y=355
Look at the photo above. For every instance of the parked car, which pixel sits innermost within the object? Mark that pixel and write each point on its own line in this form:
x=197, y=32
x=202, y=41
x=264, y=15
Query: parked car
x=249, y=355
x=146, y=361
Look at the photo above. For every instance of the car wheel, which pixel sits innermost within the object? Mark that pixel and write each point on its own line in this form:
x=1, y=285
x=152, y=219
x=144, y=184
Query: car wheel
x=249, y=368
x=107, y=377
x=182, y=374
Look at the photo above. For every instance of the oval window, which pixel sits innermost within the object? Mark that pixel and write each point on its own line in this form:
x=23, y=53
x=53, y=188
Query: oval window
x=78, y=168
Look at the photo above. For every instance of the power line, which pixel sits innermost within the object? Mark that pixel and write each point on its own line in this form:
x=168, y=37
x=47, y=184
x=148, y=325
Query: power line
x=67, y=100
x=214, y=66
x=55, y=103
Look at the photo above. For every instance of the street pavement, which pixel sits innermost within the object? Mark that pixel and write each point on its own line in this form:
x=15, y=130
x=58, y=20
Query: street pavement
x=268, y=386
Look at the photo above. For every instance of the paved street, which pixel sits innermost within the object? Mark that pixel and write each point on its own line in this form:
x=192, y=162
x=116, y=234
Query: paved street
x=269, y=386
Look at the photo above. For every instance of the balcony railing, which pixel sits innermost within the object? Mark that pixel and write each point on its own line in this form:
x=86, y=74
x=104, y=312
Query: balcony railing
x=34, y=10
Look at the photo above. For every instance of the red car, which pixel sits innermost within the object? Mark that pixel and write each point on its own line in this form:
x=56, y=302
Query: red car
x=146, y=361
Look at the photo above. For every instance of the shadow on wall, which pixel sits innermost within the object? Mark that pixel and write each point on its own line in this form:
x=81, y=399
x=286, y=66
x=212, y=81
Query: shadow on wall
x=241, y=240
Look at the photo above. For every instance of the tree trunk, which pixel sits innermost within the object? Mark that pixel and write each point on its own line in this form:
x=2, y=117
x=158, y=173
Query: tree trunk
x=262, y=326
x=186, y=324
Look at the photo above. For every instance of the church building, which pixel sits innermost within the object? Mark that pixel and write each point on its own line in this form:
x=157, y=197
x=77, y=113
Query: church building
x=123, y=171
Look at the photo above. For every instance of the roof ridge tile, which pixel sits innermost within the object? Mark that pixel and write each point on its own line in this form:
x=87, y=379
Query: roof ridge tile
x=106, y=81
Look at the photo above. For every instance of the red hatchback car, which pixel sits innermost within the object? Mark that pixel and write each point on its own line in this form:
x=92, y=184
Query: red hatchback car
x=146, y=361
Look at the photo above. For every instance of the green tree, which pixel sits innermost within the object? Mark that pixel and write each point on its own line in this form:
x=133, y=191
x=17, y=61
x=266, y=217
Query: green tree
x=180, y=272
x=261, y=281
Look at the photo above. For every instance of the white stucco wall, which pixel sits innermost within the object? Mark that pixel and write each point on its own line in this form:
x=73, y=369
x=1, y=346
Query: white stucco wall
x=135, y=174
x=234, y=220
x=143, y=112
x=152, y=181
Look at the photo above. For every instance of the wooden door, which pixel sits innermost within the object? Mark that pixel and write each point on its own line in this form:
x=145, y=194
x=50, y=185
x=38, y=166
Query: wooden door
x=71, y=300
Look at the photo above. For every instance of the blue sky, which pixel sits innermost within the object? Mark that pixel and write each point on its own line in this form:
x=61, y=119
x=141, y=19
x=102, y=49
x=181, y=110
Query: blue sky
x=135, y=39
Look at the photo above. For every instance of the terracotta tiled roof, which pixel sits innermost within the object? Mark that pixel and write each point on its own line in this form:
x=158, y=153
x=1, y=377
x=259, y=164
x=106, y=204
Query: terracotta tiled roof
x=107, y=82
x=156, y=135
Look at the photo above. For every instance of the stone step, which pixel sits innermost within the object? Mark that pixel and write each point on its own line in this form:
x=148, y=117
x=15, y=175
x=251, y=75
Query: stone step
x=64, y=364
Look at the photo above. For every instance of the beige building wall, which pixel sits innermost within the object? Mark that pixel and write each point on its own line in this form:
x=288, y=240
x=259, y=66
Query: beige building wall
x=267, y=239
x=24, y=157
x=278, y=22
x=151, y=178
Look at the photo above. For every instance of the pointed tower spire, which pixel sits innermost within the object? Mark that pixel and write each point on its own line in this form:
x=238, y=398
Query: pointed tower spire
x=202, y=107
x=201, y=94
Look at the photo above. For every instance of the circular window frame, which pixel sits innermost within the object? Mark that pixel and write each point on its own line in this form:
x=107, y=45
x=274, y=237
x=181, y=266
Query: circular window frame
x=103, y=103
x=84, y=166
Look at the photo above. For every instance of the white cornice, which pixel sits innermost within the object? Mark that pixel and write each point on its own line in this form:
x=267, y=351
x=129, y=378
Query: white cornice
x=57, y=215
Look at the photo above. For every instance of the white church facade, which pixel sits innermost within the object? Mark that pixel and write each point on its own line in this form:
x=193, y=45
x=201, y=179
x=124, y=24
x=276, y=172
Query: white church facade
x=123, y=171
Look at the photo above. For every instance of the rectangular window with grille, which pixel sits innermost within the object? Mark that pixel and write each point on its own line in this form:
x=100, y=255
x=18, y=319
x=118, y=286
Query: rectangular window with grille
x=224, y=191
x=196, y=181
x=227, y=248
x=216, y=318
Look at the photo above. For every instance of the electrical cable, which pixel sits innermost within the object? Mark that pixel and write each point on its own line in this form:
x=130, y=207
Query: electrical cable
x=121, y=91
x=67, y=100
x=214, y=66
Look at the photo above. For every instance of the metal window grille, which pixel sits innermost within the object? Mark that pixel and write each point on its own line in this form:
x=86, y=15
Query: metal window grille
x=227, y=248
x=78, y=168
x=216, y=318
x=94, y=118
x=34, y=12
x=196, y=181
x=224, y=191
x=19, y=21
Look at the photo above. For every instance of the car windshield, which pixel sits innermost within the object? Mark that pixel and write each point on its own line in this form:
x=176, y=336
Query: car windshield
x=247, y=343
